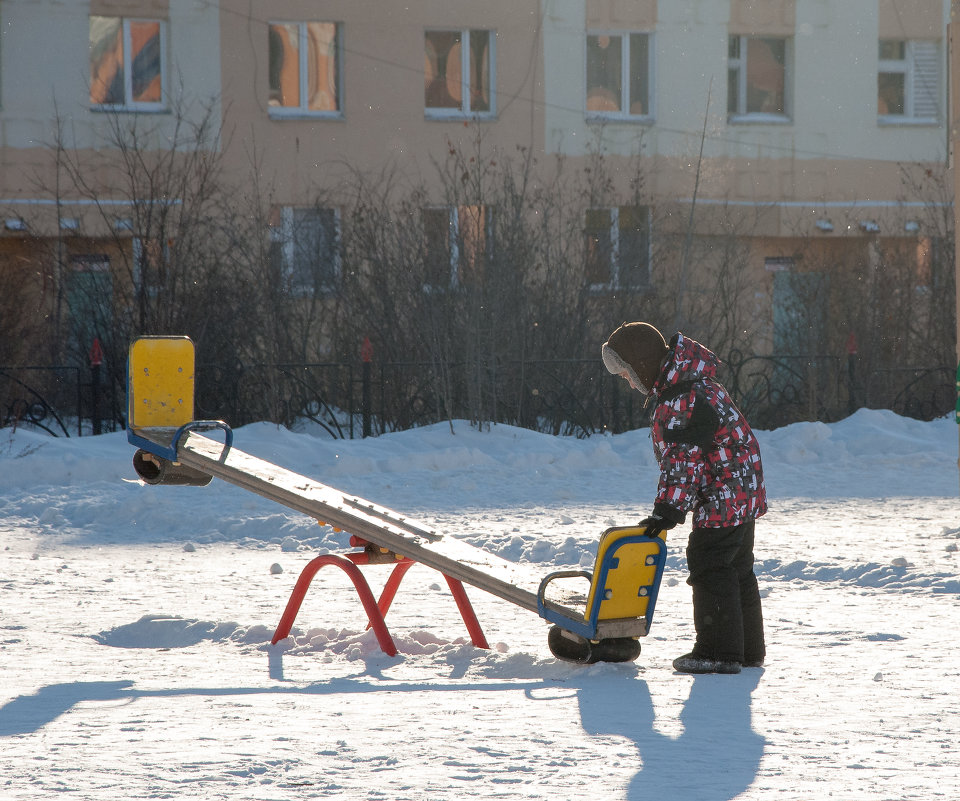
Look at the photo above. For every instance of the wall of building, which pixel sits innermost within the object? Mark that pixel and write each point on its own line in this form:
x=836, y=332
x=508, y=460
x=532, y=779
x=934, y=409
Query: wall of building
x=383, y=122
x=832, y=148
x=45, y=75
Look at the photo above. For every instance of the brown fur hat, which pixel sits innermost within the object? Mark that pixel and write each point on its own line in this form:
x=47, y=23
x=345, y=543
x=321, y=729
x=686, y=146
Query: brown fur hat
x=639, y=350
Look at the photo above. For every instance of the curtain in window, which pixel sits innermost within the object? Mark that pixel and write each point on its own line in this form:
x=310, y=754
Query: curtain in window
x=766, y=59
x=604, y=73
x=322, y=66
x=145, y=62
x=284, y=65
x=479, y=71
x=442, y=73
x=106, y=60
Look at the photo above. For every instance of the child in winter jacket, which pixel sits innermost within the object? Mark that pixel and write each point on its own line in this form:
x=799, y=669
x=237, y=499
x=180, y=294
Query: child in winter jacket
x=709, y=465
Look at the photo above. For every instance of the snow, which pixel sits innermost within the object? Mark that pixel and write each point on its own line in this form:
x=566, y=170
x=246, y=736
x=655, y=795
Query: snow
x=135, y=624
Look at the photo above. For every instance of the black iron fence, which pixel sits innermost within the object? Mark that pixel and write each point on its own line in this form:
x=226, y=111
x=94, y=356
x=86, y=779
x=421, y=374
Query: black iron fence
x=44, y=398
x=564, y=396
x=283, y=393
x=923, y=393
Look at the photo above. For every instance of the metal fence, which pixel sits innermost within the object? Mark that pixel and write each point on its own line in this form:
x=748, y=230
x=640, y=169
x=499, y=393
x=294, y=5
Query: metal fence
x=283, y=393
x=43, y=398
x=564, y=396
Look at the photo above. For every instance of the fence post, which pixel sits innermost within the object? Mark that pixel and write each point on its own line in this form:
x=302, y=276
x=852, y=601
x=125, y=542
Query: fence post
x=96, y=359
x=851, y=372
x=366, y=354
x=958, y=393
x=812, y=378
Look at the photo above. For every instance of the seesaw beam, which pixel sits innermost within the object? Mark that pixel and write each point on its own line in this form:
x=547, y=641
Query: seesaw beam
x=511, y=581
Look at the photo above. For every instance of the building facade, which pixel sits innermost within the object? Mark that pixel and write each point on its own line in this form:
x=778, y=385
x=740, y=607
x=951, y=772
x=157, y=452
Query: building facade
x=815, y=131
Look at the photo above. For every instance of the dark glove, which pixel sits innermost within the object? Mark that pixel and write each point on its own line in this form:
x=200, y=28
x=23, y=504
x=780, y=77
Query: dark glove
x=655, y=524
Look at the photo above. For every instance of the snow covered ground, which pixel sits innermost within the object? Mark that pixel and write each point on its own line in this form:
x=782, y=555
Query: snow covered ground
x=135, y=624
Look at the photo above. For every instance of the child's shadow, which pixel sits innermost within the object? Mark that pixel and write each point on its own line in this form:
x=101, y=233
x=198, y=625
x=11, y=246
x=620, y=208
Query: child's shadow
x=715, y=758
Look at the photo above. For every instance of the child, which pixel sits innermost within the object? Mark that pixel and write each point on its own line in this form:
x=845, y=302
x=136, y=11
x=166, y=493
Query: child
x=710, y=464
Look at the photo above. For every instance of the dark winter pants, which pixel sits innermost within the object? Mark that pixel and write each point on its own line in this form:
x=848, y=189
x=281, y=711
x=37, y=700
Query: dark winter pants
x=726, y=601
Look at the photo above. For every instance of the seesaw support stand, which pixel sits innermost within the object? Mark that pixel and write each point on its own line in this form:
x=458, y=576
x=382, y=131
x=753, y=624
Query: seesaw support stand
x=376, y=610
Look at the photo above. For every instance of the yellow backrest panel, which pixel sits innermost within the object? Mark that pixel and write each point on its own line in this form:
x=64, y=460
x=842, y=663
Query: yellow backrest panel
x=160, y=382
x=621, y=589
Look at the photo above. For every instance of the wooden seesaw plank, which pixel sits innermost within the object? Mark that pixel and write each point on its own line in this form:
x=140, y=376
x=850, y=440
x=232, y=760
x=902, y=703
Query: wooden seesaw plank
x=515, y=582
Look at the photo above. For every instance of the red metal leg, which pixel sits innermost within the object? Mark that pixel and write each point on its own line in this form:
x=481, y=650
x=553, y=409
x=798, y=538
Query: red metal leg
x=363, y=590
x=392, y=585
x=456, y=589
x=466, y=612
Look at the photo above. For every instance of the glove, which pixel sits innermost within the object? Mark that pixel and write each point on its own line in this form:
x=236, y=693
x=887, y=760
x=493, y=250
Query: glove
x=656, y=524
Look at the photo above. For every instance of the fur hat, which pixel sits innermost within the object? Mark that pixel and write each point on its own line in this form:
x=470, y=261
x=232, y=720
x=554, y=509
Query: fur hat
x=637, y=349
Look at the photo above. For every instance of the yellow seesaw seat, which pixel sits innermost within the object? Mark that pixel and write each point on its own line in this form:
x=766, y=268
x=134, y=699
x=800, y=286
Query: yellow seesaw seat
x=623, y=587
x=160, y=382
x=626, y=591
x=160, y=394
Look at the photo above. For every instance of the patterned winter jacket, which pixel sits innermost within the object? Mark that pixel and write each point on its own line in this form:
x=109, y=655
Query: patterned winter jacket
x=709, y=457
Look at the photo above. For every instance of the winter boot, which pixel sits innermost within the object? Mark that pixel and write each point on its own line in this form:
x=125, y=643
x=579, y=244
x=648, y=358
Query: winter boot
x=692, y=663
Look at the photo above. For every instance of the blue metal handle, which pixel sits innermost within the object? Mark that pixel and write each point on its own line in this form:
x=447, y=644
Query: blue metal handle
x=205, y=425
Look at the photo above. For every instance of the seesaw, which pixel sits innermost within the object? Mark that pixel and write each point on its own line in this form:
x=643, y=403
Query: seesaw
x=602, y=624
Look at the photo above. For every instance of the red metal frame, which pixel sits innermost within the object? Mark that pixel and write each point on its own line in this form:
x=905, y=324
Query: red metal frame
x=376, y=610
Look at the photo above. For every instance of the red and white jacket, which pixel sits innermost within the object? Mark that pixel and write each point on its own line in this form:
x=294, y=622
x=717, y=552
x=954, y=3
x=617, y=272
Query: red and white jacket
x=709, y=457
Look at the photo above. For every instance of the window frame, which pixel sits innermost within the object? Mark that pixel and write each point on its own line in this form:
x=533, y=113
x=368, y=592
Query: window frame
x=452, y=248
x=908, y=68
x=285, y=236
x=742, y=115
x=616, y=282
x=88, y=306
x=465, y=113
x=129, y=104
x=302, y=110
x=462, y=268
x=623, y=115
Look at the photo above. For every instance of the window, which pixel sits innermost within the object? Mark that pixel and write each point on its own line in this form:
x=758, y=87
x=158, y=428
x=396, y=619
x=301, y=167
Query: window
x=618, y=75
x=88, y=292
x=799, y=315
x=456, y=244
x=439, y=258
x=908, y=81
x=458, y=76
x=305, y=249
x=305, y=74
x=127, y=63
x=757, y=78
x=617, y=243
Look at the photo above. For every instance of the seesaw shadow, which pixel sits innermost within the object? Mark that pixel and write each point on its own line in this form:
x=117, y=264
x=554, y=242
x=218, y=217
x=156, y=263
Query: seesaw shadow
x=715, y=758
x=27, y=714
